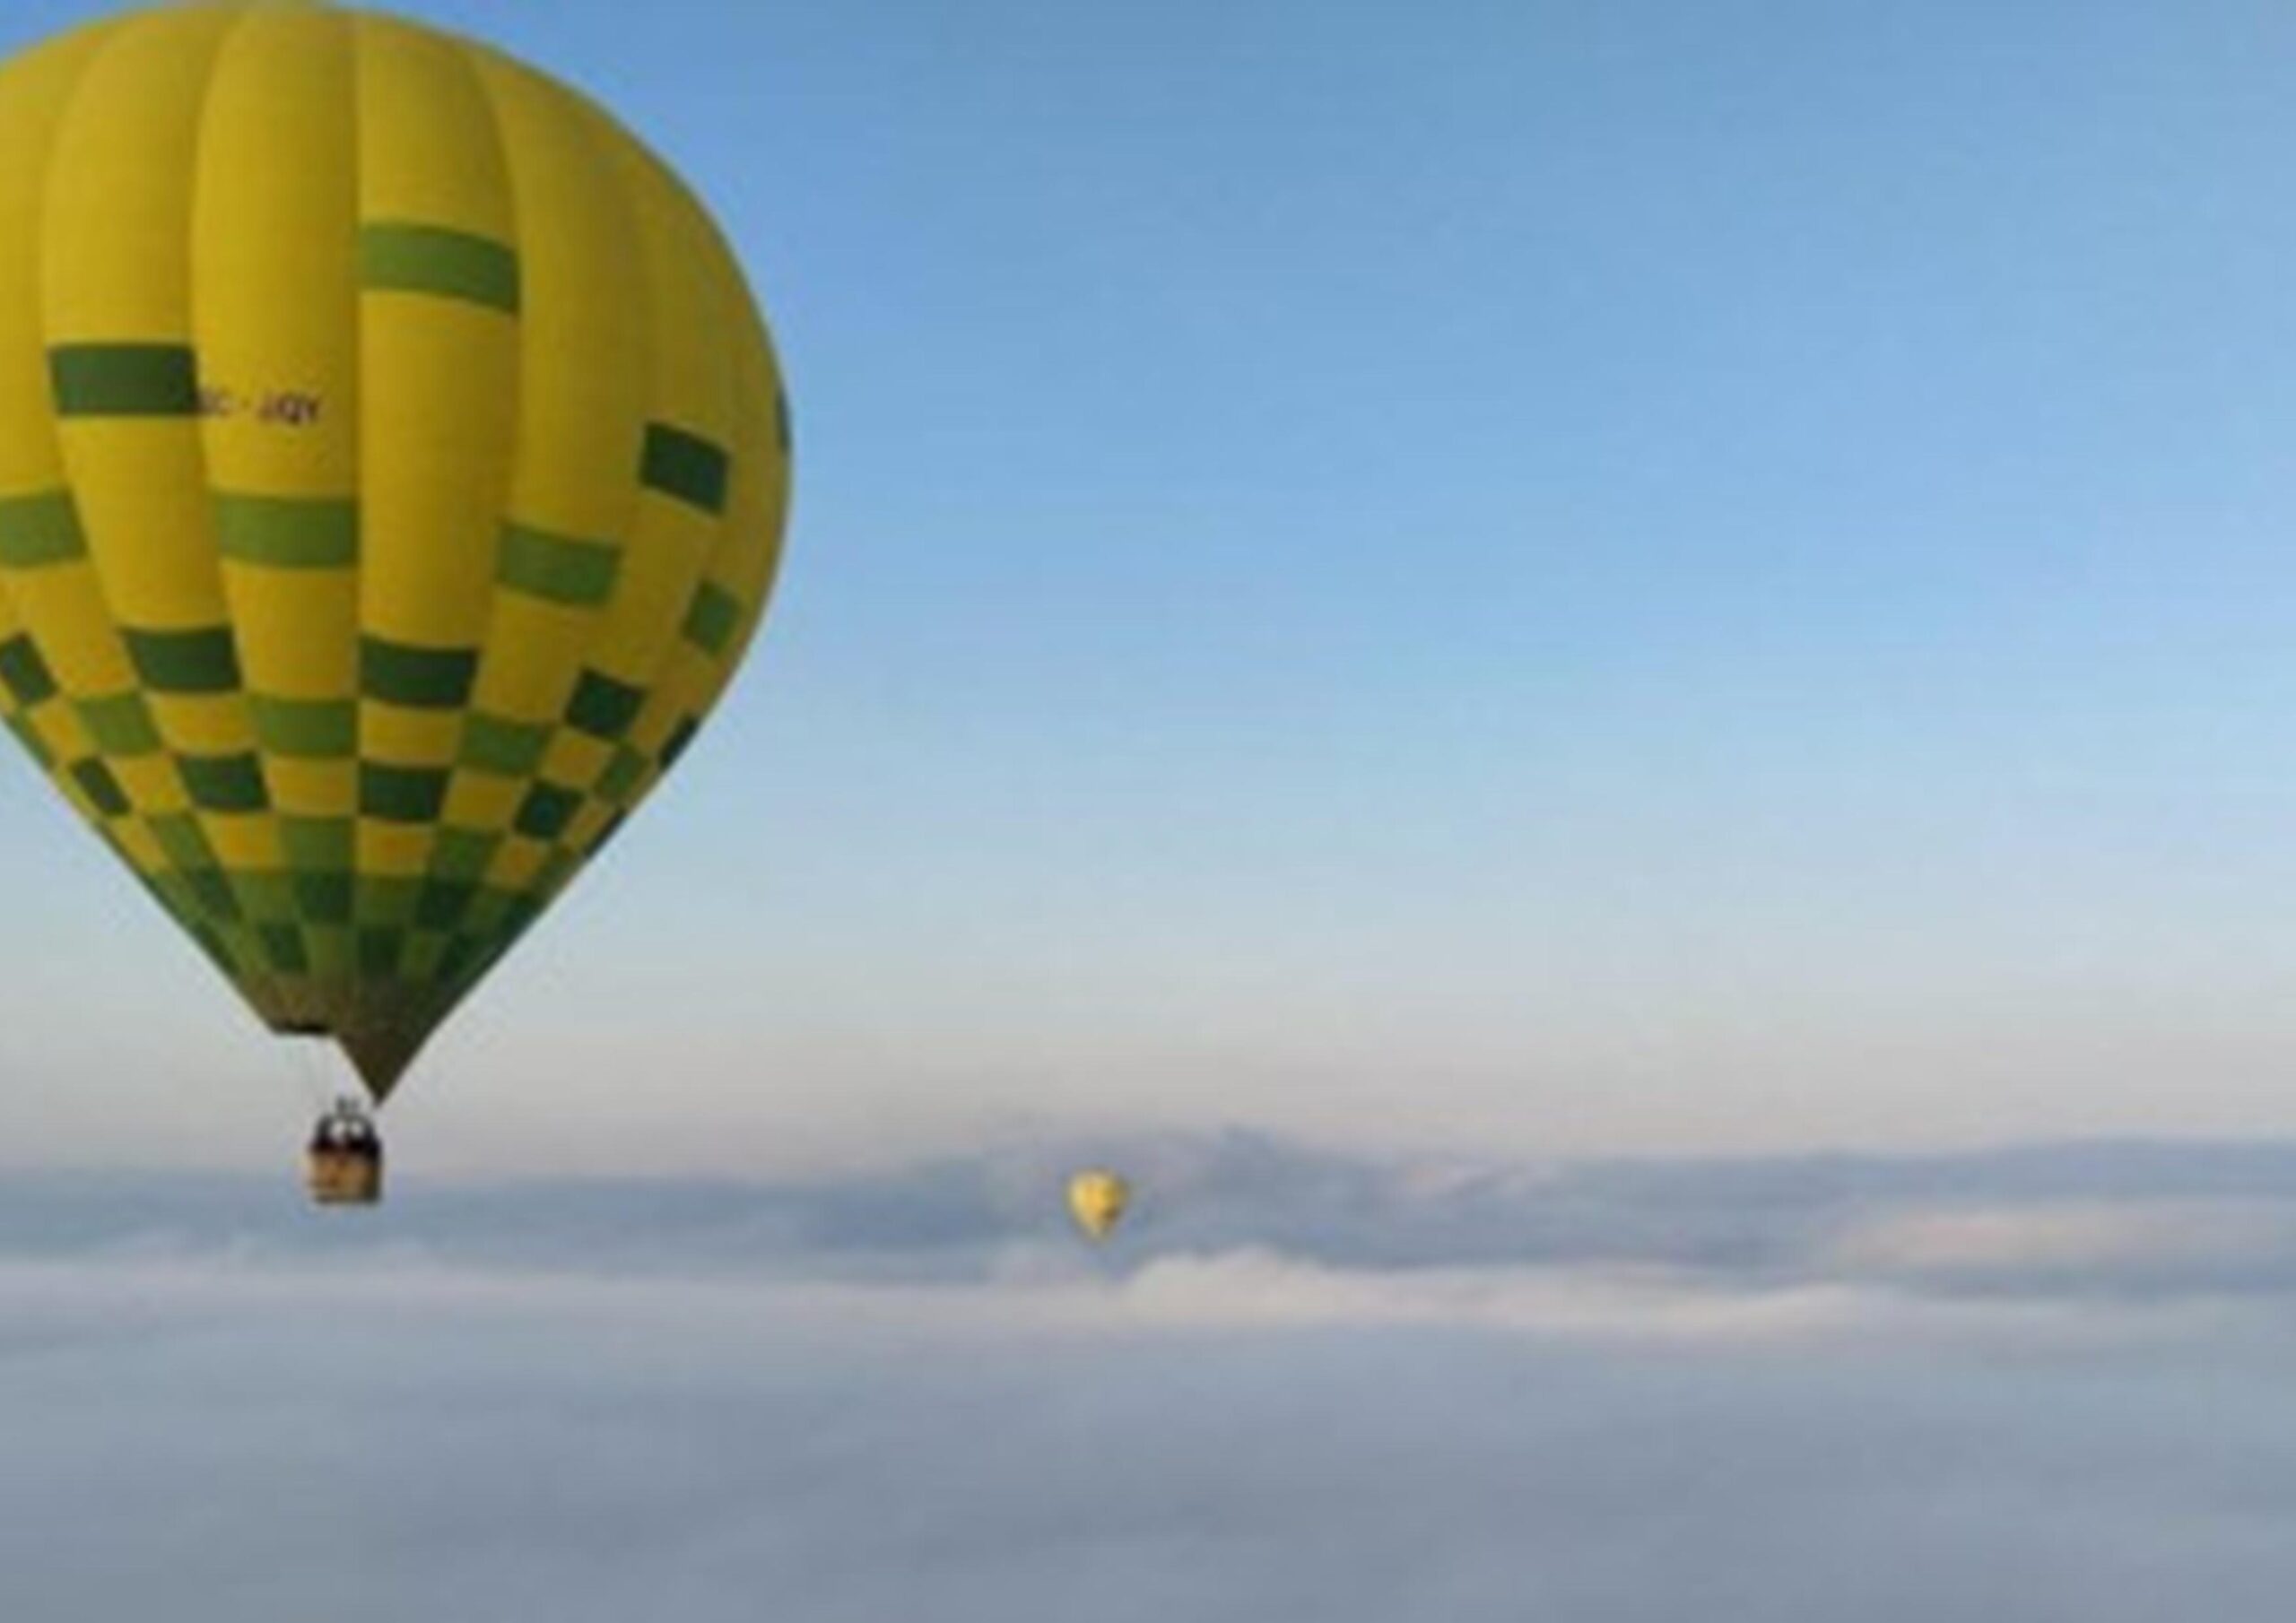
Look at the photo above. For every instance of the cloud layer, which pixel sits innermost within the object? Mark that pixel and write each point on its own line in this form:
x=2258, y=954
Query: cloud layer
x=2033, y=1387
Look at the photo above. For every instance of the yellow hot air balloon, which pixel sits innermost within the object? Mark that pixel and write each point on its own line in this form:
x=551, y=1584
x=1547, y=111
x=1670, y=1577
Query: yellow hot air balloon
x=393, y=465
x=1096, y=1198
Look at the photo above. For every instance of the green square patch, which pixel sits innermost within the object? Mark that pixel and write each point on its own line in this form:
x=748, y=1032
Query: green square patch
x=36, y=530
x=179, y=836
x=546, y=811
x=401, y=795
x=684, y=466
x=442, y=904
x=211, y=889
x=124, y=380
x=199, y=661
x=265, y=896
x=121, y=725
x=622, y=775
x=23, y=673
x=101, y=789
x=506, y=749
x=318, y=844
x=283, y=949
x=223, y=783
x=711, y=617
x=323, y=898
x=306, y=729
x=419, y=678
x=602, y=706
x=463, y=853
x=558, y=569
x=379, y=952
x=387, y=902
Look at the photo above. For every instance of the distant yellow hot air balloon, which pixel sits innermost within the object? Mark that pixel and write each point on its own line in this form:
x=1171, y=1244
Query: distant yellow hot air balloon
x=1096, y=1198
x=393, y=465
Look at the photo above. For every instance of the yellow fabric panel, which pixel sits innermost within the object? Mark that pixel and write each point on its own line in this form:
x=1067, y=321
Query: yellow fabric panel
x=137, y=847
x=118, y=191
x=581, y=313
x=532, y=651
x=137, y=478
x=758, y=504
x=34, y=89
x=479, y=801
x=114, y=240
x=200, y=724
x=60, y=605
x=276, y=322
x=669, y=544
x=439, y=385
x=59, y=729
x=588, y=824
x=245, y=843
x=298, y=629
x=149, y=783
x=516, y=863
x=311, y=788
x=712, y=364
x=63, y=606
x=393, y=850
x=118, y=205
x=574, y=758
x=583, y=340
x=439, y=390
x=428, y=150
x=115, y=248
x=397, y=732
x=274, y=255
x=748, y=551
x=687, y=384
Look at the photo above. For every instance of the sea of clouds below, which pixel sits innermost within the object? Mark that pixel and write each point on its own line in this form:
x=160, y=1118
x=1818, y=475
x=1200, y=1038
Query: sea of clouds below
x=2052, y=1383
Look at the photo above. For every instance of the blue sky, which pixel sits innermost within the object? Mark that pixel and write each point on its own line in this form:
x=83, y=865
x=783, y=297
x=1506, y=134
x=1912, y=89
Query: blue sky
x=1583, y=577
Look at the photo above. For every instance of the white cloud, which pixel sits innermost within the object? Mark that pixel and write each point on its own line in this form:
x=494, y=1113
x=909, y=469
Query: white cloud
x=1223, y=1438
x=1613, y=1396
x=2064, y=1236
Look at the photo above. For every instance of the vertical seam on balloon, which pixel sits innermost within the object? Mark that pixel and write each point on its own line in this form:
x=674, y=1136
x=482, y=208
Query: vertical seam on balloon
x=211, y=787
x=18, y=714
x=467, y=54
x=357, y=25
x=68, y=107
x=631, y=176
x=454, y=50
x=495, y=644
x=773, y=386
x=768, y=386
x=18, y=717
x=244, y=529
x=730, y=291
x=623, y=158
x=754, y=608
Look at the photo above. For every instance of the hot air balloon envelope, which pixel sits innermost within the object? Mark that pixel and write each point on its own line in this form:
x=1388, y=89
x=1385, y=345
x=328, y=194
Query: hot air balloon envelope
x=393, y=463
x=1096, y=1199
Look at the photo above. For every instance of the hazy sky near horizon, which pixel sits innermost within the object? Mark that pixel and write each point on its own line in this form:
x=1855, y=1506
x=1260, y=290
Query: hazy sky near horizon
x=1559, y=576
